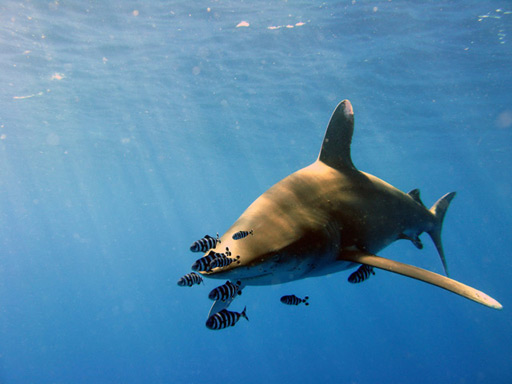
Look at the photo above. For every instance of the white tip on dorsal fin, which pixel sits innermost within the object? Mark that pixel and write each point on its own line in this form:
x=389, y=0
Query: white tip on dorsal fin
x=335, y=150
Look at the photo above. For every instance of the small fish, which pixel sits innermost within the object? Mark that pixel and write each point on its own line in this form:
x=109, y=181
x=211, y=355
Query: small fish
x=362, y=273
x=241, y=234
x=222, y=261
x=205, y=244
x=294, y=300
x=226, y=291
x=190, y=279
x=224, y=319
x=204, y=263
x=226, y=254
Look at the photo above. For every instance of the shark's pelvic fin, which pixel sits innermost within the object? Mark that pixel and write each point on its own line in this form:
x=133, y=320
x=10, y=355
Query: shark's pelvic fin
x=335, y=150
x=439, y=210
x=423, y=275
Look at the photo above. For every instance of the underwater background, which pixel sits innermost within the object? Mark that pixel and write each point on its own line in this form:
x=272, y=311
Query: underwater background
x=130, y=129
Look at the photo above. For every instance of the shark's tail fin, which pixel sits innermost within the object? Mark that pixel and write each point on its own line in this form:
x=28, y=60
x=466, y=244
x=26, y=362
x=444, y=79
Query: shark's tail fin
x=439, y=210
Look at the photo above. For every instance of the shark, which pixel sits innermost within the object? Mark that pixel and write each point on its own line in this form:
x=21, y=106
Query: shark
x=330, y=217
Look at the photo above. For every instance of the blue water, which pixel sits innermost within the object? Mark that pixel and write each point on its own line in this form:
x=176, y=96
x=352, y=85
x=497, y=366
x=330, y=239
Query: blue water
x=130, y=129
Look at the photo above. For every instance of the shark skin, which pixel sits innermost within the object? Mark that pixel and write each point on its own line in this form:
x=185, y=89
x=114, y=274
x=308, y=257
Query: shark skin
x=329, y=217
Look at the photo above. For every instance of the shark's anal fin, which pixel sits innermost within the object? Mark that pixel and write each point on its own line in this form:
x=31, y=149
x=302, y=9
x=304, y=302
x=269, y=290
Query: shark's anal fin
x=415, y=240
x=423, y=275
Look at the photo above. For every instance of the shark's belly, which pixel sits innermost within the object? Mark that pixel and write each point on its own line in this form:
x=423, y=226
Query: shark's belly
x=284, y=268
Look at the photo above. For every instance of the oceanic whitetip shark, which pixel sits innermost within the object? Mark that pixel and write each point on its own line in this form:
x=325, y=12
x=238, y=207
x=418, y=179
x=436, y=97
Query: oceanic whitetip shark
x=329, y=217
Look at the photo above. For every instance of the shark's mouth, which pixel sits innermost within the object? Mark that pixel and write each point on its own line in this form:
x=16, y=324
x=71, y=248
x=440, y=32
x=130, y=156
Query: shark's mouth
x=246, y=279
x=236, y=274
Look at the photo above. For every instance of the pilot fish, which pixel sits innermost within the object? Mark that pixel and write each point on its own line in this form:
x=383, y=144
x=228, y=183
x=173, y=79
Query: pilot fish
x=224, y=319
x=294, y=300
x=241, y=234
x=204, y=263
x=222, y=261
x=362, y=273
x=205, y=244
x=190, y=279
x=225, y=291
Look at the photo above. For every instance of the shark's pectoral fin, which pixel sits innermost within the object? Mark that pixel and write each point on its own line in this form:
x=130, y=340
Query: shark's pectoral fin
x=421, y=274
x=219, y=305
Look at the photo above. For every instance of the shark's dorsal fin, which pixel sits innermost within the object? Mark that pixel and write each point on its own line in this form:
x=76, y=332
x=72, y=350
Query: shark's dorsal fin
x=415, y=195
x=421, y=274
x=335, y=150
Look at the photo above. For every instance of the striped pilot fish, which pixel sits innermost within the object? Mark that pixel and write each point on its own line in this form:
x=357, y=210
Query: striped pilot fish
x=241, y=234
x=222, y=261
x=294, y=300
x=190, y=279
x=226, y=291
x=224, y=319
x=204, y=263
x=205, y=244
x=362, y=273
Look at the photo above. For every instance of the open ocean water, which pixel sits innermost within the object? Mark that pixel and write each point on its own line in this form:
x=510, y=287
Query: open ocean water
x=129, y=129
